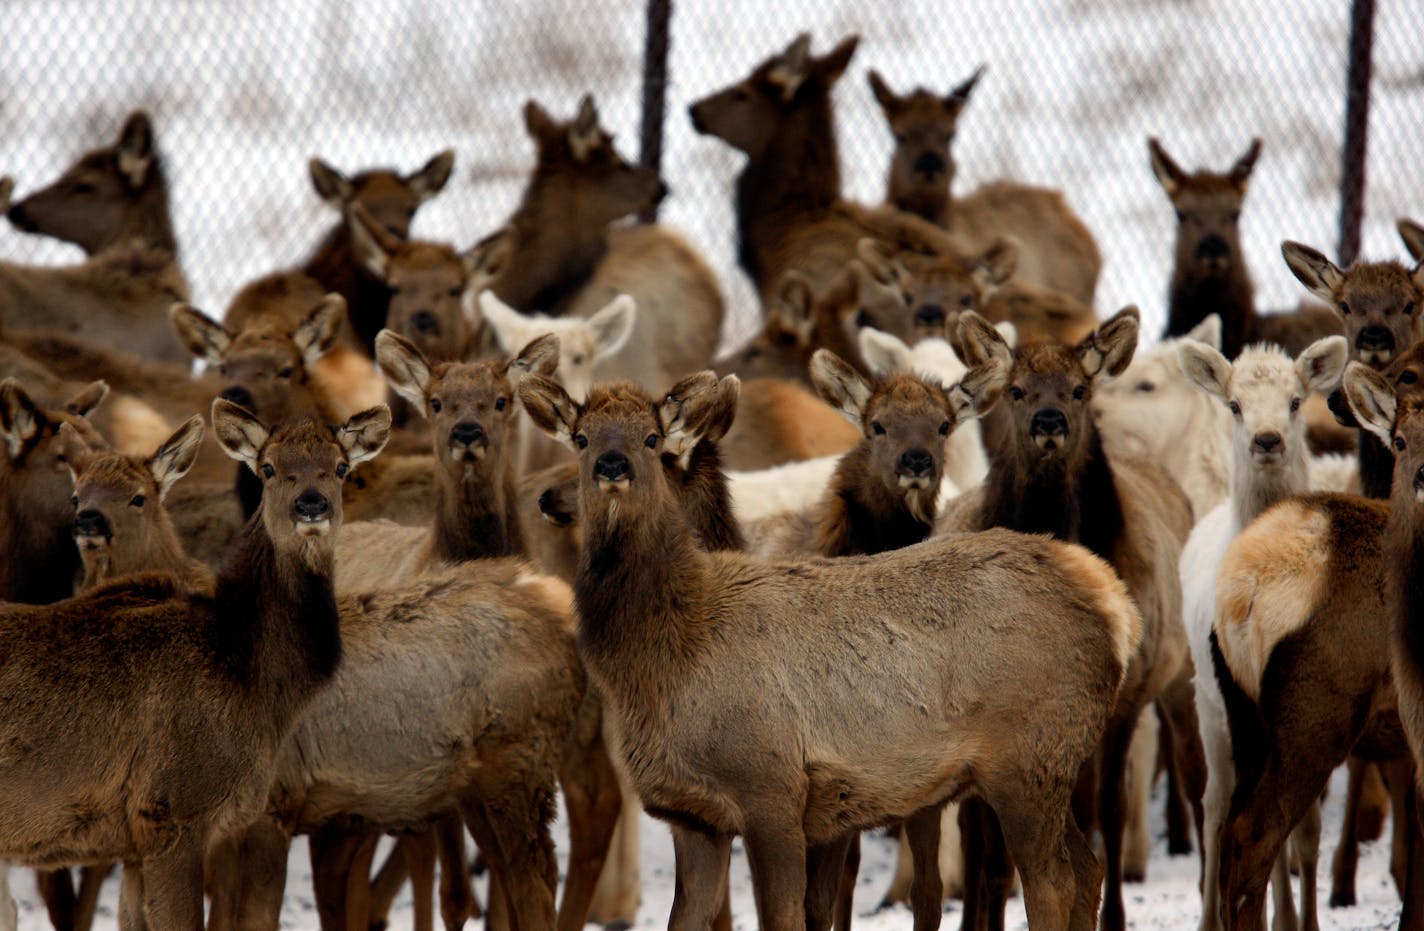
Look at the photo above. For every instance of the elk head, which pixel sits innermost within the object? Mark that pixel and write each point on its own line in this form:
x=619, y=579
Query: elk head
x=923, y=125
x=390, y=198
x=1379, y=301
x=1208, y=206
x=582, y=342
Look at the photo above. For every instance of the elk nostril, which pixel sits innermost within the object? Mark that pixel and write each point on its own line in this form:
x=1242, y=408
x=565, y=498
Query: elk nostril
x=90, y=521
x=467, y=432
x=612, y=466
x=238, y=395
x=20, y=218
x=424, y=322
x=1049, y=422
x=1419, y=478
x=929, y=163
x=917, y=461
x=1213, y=247
x=1267, y=442
x=1375, y=337
x=312, y=505
x=930, y=315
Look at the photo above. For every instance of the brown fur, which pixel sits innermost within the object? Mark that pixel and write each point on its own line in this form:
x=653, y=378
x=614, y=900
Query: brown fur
x=1059, y=253
x=798, y=776
x=780, y=421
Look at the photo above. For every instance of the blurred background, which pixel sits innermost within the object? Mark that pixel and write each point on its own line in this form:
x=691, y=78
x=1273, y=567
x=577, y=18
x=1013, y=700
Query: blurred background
x=243, y=91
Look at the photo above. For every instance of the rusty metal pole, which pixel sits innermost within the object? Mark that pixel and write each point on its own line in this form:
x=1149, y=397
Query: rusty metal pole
x=655, y=58
x=1357, y=118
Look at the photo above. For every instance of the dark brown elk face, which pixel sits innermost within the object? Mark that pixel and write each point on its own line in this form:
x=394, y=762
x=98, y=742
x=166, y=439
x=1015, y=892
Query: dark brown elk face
x=578, y=164
x=33, y=464
x=1050, y=387
x=923, y=125
x=427, y=283
x=266, y=367
x=389, y=197
x=118, y=500
x=470, y=405
x=748, y=114
x=1398, y=421
x=783, y=347
x=301, y=466
x=1379, y=301
x=93, y=203
x=1208, y=206
x=942, y=290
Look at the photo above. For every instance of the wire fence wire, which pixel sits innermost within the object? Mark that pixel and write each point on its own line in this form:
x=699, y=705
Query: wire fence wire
x=242, y=93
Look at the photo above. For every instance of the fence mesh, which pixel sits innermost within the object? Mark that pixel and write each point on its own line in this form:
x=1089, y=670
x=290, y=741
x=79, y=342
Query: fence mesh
x=243, y=92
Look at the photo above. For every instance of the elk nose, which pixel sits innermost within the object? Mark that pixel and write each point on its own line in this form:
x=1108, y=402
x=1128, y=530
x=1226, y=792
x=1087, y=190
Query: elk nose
x=929, y=163
x=238, y=395
x=1213, y=248
x=662, y=192
x=612, y=466
x=20, y=218
x=90, y=522
x=695, y=115
x=312, y=505
x=549, y=507
x=466, y=433
x=917, y=462
x=930, y=315
x=1267, y=442
x=1049, y=422
x=1419, y=479
x=424, y=322
x=1375, y=337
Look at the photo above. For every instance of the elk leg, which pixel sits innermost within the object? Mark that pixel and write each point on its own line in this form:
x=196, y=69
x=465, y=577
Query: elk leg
x=899, y=890
x=420, y=854
x=357, y=891
x=9, y=913
x=387, y=885
x=1285, y=918
x=1149, y=742
x=700, y=892
x=91, y=881
x=131, y=898
x=1088, y=878
x=513, y=831
x=1305, y=842
x=1412, y=915
x=1398, y=777
x=594, y=800
x=1034, y=826
x=845, y=892
x=776, y=853
x=173, y=888
x=971, y=833
x=825, y=880
x=1111, y=796
x=1347, y=854
x=331, y=848
x=1216, y=803
x=56, y=888
x=927, y=890
x=1188, y=758
x=457, y=899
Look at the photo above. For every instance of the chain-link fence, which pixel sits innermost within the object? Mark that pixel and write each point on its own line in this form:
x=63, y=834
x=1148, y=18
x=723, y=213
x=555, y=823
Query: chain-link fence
x=243, y=92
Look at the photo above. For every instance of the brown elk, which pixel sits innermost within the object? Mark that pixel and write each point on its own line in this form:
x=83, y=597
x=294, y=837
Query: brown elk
x=1057, y=249
x=790, y=213
x=1052, y=476
x=392, y=200
x=82, y=679
x=112, y=203
x=829, y=762
x=1304, y=626
x=1209, y=272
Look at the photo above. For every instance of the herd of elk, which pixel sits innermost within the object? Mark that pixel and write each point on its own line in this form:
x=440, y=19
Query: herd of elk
x=937, y=549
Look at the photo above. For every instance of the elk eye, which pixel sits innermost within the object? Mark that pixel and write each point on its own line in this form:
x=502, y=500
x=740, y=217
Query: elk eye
x=455, y=292
x=577, y=360
x=652, y=441
x=267, y=470
x=966, y=301
x=1408, y=377
x=1146, y=387
x=1295, y=405
x=1344, y=308
x=435, y=405
x=1079, y=393
x=285, y=373
x=84, y=187
x=754, y=352
x=1235, y=408
x=1235, y=215
x=944, y=428
x=341, y=469
x=74, y=500
x=876, y=428
x=582, y=441
x=1016, y=393
x=862, y=319
x=137, y=501
x=499, y=403
x=1399, y=443
x=1409, y=308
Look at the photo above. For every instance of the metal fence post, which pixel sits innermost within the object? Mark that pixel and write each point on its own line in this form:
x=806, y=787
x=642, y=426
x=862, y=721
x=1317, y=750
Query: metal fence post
x=1357, y=115
x=655, y=55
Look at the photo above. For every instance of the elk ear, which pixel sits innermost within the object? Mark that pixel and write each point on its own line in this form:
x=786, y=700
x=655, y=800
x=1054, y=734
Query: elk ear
x=975, y=341
x=1109, y=349
x=511, y=328
x=177, y=454
x=7, y=188
x=364, y=435
x=330, y=184
x=88, y=398
x=1371, y=398
x=204, y=336
x=1169, y=173
x=792, y=308
x=613, y=325
x=840, y=385
x=879, y=260
x=550, y=407
x=318, y=331
x=979, y=389
x=833, y=64
x=20, y=417
x=1320, y=276
x=998, y=263
x=74, y=451
x=790, y=70
x=239, y=433
x=135, y=149
x=685, y=411
x=539, y=357
x=1322, y=363
x=404, y=366
x=1413, y=235
x=432, y=176
x=584, y=134
x=487, y=259
x=1241, y=171
x=1208, y=331
x=883, y=94
x=1205, y=367
x=537, y=121
x=373, y=243
x=955, y=100
x=884, y=353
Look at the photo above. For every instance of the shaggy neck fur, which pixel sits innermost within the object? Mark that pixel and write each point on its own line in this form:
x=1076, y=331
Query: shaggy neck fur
x=38, y=559
x=475, y=516
x=860, y=516
x=798, y=173
x=706, y=499
x=555, y=251
x=932, y=203
x=1192, y=298
x=1049, y=494
x=1253, y=488
x=335, y=267
x=150, y=221
x=1376, y=466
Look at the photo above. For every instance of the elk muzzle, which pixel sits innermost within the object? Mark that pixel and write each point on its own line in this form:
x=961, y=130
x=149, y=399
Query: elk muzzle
x=1375, y=345
x=20, y=218
x=1419, y=485
x=91, y=529
x=313, y=513
x=930, y=317
x=915, y=469
x=468, y=441
x=929, y=166
x=1268, y=447
x=1049, y=428
x=553, y=509
x=1213, y=253
x=613, y=471
x=237, y=395
x=425, y=323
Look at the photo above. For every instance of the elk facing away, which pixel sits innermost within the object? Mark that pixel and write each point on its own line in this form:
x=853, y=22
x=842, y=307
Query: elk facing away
x=710, y=642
